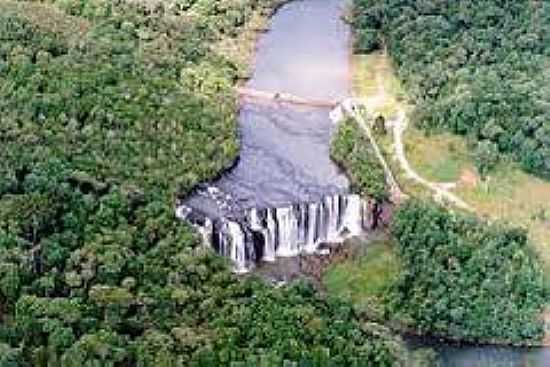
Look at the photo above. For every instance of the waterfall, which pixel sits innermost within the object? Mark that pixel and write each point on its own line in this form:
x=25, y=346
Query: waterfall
x=353, y=217
x=287, y=227
x=310, y=244
x=262, y=234
x=232, y=242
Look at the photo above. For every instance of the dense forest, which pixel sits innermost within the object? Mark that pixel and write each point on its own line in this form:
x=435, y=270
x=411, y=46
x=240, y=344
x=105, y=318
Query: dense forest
x=465, y=279
x=474, y=68
x=109, y=111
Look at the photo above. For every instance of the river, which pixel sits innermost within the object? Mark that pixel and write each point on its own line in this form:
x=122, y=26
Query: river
x=284, y=195
x=284, y=156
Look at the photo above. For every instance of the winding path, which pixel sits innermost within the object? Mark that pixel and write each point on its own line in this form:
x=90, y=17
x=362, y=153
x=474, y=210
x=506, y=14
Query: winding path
x=440, y=191
x=352, y=108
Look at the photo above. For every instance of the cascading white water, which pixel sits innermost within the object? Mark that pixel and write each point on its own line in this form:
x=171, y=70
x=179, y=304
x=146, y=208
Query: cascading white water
x=311, y=243
x=256, y=224
x=269, y=248
x=232, y=239
x=353, y=216
x=302, y=220
x=321, y=221
x=264, y=234
x=287, y=232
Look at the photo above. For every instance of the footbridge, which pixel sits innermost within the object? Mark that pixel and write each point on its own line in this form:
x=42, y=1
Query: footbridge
x=255, y=95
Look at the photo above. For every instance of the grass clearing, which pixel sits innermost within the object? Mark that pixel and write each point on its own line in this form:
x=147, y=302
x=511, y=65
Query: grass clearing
x=363, y=81
x=446, y=153
x=517, y=197
x=364, y=278
x=508, y=193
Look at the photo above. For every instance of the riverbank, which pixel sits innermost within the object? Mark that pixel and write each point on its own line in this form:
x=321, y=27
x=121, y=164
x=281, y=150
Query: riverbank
x=241, y=48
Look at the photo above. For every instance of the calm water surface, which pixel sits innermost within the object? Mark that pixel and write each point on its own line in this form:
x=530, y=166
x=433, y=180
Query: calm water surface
x=491, y=356
x=285, y=150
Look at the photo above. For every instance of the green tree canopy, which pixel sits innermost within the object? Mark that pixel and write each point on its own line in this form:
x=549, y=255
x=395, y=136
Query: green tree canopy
x=466, y=279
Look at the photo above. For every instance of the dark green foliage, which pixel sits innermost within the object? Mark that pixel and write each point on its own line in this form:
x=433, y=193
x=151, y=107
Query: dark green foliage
x=132, y=107
x=9, y=357
x=101, y=126
x=261, y=328
x=466, y=279
x=475, y=68
x=352, y=150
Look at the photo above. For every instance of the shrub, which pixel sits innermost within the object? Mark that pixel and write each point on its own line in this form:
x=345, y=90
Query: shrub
x=486, y=157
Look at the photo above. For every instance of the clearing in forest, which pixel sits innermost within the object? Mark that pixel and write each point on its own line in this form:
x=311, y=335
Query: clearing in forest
x=507, y=193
